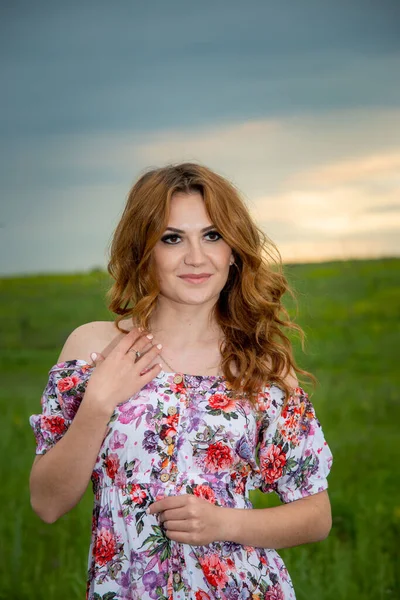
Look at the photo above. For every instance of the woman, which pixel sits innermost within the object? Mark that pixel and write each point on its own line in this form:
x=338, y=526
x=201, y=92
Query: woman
x=193, y=381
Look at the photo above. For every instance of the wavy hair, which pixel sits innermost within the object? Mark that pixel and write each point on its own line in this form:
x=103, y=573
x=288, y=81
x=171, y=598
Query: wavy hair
x=249, y=309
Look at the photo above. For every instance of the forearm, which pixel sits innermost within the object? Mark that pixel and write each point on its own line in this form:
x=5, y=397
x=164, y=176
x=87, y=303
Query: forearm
x=60, y=477
x=300, y=522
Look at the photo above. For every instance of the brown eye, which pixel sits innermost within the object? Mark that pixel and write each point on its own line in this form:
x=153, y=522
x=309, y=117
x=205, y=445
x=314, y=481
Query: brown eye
x=171, y=239
x=215, y=236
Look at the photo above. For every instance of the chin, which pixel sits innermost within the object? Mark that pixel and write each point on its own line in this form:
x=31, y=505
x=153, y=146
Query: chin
x=193, y=298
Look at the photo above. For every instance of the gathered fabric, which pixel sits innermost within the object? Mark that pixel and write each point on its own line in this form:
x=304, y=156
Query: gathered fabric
x=165, y=441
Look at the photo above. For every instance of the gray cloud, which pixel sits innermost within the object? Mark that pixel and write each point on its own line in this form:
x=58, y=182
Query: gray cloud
x=96, y=66
x=102, y=71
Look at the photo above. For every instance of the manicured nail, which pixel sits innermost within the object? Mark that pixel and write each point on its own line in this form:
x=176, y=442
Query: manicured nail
x=148, y=510
x=93, y=356
x=150, y=336
x=159, y=346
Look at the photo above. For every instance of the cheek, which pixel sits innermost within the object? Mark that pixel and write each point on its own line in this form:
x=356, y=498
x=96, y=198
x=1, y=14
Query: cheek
x=164, y=261
x=222, y=256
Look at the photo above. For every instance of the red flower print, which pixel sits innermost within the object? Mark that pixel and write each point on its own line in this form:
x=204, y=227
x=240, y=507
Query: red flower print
x=291, y=422
x=275, y=593
x=222, y=402
x=214, y=570
x=105, y=547
x=272, y=462
x=204, y=491
x=55, y=425
x=178, y=388
x=67, y=383
x=167, y=431
x=218, y=457
x=137, y=494
x=111, y=464
x=230, y=563
x=172, y=420
x=200, y=595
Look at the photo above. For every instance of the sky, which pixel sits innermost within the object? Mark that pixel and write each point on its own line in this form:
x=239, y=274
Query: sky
x=296, y=103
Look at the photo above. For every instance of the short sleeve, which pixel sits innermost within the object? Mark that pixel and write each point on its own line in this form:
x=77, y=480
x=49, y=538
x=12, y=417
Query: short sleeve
x=294, y=457
x=60, y=401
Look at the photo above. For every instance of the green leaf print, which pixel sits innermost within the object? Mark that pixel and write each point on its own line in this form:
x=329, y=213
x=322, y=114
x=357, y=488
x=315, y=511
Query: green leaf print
x=291, y=464
x=214, y=411
x=160, y=595
x=159, y=543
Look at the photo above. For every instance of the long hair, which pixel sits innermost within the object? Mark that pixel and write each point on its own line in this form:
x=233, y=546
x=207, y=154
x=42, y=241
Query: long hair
x=249, y=309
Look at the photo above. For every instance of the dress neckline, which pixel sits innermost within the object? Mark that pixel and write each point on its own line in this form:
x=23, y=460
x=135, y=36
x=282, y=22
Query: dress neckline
x=187, y=376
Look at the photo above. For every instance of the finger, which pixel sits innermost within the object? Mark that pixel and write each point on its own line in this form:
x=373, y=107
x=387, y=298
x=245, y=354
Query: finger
x=146, y=360
x=149, y=373
x=175, y=514
x=127, y=341
x=140, y=344
x=96, y=358
x=182, y=537
x=177, y=525
x=168, y=502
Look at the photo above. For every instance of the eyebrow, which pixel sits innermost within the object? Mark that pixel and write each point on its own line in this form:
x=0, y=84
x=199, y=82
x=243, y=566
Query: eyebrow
x=204, y=230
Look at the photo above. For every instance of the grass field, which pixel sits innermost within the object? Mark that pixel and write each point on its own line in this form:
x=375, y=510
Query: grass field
x=350, y=313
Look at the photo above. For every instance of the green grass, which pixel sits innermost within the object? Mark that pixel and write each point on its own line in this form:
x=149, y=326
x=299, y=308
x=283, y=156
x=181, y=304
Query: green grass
x=350, y=313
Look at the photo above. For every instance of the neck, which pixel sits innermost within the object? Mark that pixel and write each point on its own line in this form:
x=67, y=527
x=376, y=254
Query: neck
x=184, y=325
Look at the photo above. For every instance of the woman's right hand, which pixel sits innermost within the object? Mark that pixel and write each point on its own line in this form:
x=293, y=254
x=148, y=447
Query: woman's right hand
x=121, y=375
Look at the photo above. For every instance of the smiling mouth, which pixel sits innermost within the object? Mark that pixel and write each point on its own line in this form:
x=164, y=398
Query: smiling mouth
x=201, y=278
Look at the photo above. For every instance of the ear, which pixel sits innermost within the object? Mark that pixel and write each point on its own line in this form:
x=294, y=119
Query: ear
x=231, y=260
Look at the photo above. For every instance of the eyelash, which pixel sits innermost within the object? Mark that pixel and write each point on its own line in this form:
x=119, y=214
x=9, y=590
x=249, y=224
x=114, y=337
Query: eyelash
x=167, y=237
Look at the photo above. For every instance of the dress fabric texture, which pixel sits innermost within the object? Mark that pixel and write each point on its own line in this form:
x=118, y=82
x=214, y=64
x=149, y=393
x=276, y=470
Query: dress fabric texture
x=163, y=441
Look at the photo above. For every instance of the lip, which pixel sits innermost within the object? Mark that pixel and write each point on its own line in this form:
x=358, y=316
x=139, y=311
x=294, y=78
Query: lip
x=196, y=278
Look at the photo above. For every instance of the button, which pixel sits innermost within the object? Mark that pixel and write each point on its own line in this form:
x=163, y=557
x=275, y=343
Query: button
x=168, y=440
x=178, y=379
x=172, y=410
x=177, y=578
x=164, y=477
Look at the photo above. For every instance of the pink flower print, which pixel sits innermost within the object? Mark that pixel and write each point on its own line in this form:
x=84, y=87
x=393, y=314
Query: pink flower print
x=129, y=413
x=120, y=478
x=275, y=593
x=117, y=440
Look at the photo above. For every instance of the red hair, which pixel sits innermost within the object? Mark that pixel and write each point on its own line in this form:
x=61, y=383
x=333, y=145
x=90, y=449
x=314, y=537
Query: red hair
x=249, y=310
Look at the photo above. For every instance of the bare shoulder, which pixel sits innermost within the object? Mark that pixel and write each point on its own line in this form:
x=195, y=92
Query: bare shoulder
x=96, y=336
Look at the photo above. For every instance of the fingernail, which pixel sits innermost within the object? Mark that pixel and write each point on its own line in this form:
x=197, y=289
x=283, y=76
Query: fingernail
x=148, y=510
x=159, y=346
x=150, y=336
x=93, y=356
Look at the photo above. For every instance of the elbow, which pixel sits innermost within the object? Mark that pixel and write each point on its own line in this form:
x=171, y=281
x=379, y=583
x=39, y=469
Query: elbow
x=43, y=512
x=324, y=528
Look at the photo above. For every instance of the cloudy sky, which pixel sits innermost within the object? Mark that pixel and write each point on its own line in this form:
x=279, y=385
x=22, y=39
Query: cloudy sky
x=297, y=103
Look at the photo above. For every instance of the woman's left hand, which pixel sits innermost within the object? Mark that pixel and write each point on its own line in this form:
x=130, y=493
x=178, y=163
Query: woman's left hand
x=189, y=519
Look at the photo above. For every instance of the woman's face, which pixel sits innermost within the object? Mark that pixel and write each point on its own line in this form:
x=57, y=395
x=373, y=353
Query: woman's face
x=191, y=258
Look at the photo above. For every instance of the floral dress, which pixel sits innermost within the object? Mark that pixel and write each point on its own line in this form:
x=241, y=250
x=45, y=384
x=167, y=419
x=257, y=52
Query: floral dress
x=163, y=441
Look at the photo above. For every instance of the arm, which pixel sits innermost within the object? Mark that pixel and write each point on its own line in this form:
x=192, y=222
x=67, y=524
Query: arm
x=60, y=477
x=300, y=522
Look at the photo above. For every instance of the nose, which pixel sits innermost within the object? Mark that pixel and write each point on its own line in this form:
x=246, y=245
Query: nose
x=194, y=254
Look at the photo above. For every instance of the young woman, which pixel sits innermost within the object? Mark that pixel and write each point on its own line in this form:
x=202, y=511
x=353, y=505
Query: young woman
x=191, y=402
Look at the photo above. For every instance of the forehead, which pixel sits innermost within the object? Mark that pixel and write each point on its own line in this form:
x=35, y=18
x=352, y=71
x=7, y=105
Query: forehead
x=188, y=208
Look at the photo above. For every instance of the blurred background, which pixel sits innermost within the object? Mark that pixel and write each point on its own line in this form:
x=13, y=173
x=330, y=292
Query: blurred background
x=296, y=103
